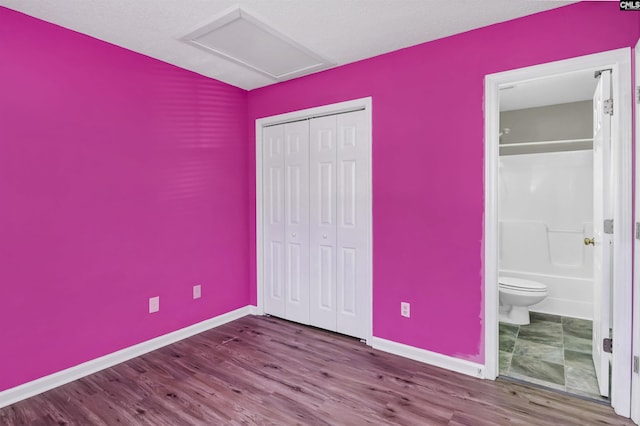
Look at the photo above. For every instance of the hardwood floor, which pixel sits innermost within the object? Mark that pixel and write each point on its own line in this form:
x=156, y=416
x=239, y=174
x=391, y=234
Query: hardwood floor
x=266, y=371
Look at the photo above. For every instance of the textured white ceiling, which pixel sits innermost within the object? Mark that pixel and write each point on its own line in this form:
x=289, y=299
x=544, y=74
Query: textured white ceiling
x=342, y=31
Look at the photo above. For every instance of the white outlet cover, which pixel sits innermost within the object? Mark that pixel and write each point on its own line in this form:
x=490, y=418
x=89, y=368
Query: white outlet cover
x=405, y=309
x=154, y=304
x=197, y=291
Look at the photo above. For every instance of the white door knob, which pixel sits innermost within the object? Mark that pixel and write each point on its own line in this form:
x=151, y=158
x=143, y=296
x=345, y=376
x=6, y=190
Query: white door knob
x=324, y=236
x=294, y=234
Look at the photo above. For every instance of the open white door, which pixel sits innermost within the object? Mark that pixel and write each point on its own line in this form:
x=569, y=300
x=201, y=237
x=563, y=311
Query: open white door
x=601, y=240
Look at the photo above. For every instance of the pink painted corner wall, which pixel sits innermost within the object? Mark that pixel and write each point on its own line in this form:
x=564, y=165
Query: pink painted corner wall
x=121, y=178
x=428, y=147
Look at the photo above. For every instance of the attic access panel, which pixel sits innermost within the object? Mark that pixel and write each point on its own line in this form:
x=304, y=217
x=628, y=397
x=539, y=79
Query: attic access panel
x=241, y=38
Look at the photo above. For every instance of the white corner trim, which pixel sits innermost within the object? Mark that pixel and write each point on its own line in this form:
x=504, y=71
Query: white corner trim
x=35, y=387
x=635, y=378
x=432, y=358
x=490, y=253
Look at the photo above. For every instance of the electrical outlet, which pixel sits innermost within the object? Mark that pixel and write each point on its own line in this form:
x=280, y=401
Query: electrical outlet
x=197, y=291
x=405, y=309
x=154, y=304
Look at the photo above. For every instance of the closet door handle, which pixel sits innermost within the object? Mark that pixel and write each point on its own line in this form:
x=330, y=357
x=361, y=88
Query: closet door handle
x=588, y=241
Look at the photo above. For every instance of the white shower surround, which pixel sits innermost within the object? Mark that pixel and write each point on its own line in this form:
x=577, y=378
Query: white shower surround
x=545, y=212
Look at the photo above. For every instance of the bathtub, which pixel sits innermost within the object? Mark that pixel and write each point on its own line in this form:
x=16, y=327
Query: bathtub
x=556, y=257
x=567, y=296
x=546, y=212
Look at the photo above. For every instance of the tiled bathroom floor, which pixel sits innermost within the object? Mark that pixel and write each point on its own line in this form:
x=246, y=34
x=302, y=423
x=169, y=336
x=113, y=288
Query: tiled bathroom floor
x=552, y=351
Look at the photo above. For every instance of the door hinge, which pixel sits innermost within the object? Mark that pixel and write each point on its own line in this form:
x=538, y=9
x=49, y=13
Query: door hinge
x=608, y=106
x=638, y=94
x=637, y=230
x=608, y=226
x=607, y=345
x=636, y=364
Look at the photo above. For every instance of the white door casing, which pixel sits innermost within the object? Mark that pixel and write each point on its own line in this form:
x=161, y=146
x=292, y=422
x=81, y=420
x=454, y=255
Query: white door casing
x=619, y=61
x=602, y=241
x=635, y=377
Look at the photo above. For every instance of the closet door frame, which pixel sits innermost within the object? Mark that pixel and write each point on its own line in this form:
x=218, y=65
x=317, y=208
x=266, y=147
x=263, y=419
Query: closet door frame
x=337, y=108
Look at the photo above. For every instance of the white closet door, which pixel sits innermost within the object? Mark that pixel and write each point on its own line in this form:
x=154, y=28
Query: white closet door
x=296, y=231
x=323, y=229
x=274, y=220
x=316, y=222
x=352, y=224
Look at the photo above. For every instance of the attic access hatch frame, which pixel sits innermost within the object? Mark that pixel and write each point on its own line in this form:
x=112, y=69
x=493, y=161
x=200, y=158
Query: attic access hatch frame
x=241, y=38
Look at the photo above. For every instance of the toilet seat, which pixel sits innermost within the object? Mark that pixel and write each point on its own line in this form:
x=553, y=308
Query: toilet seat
x=520, y=284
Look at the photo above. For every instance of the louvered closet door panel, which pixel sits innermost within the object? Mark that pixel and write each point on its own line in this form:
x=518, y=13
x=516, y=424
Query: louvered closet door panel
x=274, y=249
x=296, y=202
x=352, y=224
x=322, y=229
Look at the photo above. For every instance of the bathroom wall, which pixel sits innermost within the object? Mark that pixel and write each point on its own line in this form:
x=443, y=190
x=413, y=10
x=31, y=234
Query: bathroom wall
x=546, y=204
x=121, y=178
x=428, y=164
x=573, y=120
x=545, y=212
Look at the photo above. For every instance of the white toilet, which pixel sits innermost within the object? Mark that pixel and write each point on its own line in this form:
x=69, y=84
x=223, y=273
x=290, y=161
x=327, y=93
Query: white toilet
x=516, y=295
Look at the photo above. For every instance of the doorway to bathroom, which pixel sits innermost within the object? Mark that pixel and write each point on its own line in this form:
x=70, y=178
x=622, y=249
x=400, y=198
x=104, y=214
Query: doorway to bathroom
x=556, y=185
x=545, y=212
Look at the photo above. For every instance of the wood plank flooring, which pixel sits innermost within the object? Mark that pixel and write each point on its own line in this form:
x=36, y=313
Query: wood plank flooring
x=266, y=371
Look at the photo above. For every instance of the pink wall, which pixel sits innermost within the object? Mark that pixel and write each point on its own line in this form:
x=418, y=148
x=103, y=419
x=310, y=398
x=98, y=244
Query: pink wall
x=428, y=160
x=121, y=178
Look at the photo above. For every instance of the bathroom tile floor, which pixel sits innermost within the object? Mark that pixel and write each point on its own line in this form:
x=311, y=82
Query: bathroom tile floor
x=552, y=351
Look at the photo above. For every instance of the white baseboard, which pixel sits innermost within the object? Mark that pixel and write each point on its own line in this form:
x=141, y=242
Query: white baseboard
x=432, y=358
x=29, y=389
